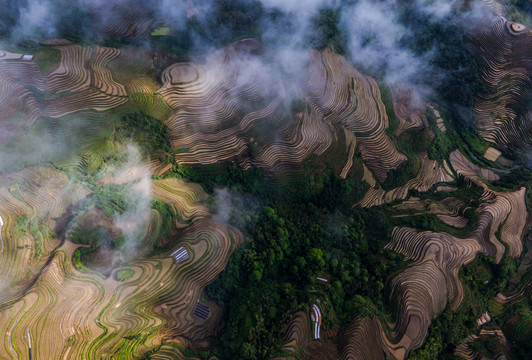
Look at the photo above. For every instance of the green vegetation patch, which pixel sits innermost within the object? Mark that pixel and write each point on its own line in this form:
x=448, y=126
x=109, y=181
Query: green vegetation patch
x=148, y=132
x=167, y=214
x=92, y=237
x=105, y=251
x=152, y=105
x=47, y=59
x=21, y=226
x=40, y=232
x=161, y=31
x=76, y=260
x=519, y=11
x=37, y=229
x=112, y=199
x=124, y=274
x=410, y=143
x=387, y=100
x=328, y=31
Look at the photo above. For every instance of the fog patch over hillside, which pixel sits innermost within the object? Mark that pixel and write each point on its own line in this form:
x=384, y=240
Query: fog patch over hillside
x=378, y=30
x=134, y=220
x=374, y=41
x=377, y=40
x=37, y=17
x=375, y=30
x=377, y=34
x=238, y=209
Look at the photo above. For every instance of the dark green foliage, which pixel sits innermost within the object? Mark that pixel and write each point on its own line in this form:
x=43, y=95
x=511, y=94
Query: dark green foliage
x=327, y=32
x=458, y=136
x=515, y=179
x=151, y=134
x=26, y=45
x=167, y=214
x=227, y=21
x=38, y=230
x=422, y=221
x=524, y=5
x=92, y=237
x=112, y=199
x=441, y=147
x=308, y=229
x=484, y=278
x=179, y=44
x=96, y=237
x=470, y=137
x=443, y=143
x=451, y=57
x=429, y=351
x=514, y=7
x=76, y=260
x=410, y=143
x=301, y=230
x=47, y=59
x=226, y=175
x=75, y=25
x=235, y=19
x=386, y=97
x=405, y=171
x=519, y=328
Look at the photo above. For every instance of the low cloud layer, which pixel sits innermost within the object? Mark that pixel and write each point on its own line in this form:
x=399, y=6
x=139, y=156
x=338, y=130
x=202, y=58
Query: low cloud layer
x=37, y=17
x=374, y=30
x=134, y=220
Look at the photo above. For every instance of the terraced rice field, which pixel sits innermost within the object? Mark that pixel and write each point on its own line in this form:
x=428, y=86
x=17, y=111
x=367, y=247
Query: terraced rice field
x=430, y=174
x=298, y=332
x=107, y=318
x=439, y=256
x=431, y=283
x=409, y=110
x=81, y=82
x=116, y=310
x=499, y=345
x=449, y=210
x=32, y=196
x=492, y=154
x=1, y=238
x=505, y=47
x=185, y=198
x=211, y=123
x=359, y=341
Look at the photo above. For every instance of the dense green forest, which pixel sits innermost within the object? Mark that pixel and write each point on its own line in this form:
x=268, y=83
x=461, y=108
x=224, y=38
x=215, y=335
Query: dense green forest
x=294, y=233
x=297, y=231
